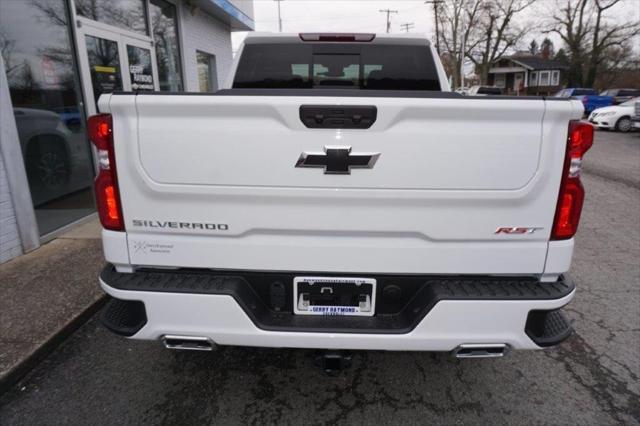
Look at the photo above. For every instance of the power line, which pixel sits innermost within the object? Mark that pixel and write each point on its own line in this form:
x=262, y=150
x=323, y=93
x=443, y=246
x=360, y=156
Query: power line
x=336, y=17
x=388, y=12
x=407, y=26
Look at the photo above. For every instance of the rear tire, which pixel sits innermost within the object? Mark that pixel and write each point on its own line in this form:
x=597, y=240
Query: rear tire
x=623, y=124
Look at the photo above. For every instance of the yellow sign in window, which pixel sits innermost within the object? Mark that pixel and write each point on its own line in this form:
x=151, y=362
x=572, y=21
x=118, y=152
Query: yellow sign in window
x=99, y=68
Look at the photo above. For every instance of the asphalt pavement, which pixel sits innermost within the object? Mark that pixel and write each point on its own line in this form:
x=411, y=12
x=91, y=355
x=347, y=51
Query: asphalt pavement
x=593, y=378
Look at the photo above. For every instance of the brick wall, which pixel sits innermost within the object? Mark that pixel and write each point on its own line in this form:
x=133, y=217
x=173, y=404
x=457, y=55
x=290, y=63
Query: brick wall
x=205, y=33
x=10, y=244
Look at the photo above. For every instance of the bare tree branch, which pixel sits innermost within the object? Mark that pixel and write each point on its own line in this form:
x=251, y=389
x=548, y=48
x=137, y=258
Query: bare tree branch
x=589, y=36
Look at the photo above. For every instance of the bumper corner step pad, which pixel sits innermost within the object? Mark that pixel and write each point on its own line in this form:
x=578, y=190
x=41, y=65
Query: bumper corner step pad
x=548, y=328
x=124, y=317
x=251, y=291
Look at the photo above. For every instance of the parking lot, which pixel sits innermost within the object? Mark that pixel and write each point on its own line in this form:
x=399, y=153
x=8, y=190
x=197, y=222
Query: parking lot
x=593, y=378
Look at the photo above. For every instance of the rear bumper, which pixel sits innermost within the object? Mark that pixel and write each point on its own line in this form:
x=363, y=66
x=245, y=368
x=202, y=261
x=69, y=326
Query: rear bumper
x=440, y=313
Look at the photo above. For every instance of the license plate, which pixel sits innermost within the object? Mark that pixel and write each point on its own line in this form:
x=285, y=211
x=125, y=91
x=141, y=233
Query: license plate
x=334, y=296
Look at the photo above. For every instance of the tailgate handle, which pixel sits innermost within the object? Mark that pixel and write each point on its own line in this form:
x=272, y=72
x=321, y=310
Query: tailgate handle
x=338, y=116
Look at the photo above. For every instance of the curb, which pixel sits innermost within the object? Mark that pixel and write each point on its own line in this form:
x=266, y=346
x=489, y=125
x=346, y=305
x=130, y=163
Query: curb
x=24, y=366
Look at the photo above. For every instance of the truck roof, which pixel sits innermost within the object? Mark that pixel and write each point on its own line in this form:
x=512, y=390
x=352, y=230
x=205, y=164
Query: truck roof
x=289, y=38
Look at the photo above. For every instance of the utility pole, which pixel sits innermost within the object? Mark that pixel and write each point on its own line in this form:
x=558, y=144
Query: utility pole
x=388, y=12
x=462, y=48
x=407, y=26
x=435, y=4
x=279, y=17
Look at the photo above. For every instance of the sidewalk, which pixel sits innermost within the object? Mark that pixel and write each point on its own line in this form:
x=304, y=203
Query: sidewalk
x=45, y=295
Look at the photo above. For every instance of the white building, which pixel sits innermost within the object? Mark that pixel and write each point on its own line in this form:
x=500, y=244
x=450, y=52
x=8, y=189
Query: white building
x=58, y=56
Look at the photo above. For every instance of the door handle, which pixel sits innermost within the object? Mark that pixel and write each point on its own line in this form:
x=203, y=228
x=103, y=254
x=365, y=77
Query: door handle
x=338, y=116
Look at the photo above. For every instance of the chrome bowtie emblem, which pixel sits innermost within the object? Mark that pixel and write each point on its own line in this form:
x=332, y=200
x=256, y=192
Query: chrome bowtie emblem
x=338, y=160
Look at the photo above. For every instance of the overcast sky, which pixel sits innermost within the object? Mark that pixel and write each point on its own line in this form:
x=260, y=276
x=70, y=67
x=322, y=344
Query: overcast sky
x=364, y=16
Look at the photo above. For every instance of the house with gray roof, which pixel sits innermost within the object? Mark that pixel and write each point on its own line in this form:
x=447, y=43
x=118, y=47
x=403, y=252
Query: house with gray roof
x=527, y=75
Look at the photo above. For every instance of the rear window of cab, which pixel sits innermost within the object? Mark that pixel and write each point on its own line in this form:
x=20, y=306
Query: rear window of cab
x=331, y=65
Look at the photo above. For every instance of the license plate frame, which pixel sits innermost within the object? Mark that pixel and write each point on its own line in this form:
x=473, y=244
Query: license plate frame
x=315, y=287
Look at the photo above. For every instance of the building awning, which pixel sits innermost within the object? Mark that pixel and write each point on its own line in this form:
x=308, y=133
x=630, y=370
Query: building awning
x=227, y=12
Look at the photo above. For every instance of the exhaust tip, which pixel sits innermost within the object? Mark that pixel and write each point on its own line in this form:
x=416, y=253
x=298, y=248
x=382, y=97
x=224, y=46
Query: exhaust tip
x=481, y=350
x=188, y=343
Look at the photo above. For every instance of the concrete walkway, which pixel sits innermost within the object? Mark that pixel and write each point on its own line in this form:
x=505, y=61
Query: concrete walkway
x=45, y=295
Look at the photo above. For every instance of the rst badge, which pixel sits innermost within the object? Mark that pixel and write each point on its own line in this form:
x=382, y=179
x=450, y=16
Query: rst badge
x=338, y=160
x=517, y=230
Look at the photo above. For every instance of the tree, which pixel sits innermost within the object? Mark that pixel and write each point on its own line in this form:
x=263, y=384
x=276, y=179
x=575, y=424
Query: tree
x=7, y=47
x=497, y=33
x=561, y=56
x=547, y=49
x=23, y=79
x=533, y=47
x=589, y=36
x=486, y=29
x=456, y=20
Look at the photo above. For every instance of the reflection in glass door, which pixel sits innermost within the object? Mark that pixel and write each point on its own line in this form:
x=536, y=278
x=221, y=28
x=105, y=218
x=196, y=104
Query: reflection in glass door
x=114, y=61
x=140, y=68
x=104, y=66
x=47, y=105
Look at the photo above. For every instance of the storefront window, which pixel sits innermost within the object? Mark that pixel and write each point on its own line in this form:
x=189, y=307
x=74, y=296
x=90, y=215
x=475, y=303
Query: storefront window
x=104, y=64
x=165, y=35
x=126, y=14
x=140, y=70
x=43, y=83
x=206, y=72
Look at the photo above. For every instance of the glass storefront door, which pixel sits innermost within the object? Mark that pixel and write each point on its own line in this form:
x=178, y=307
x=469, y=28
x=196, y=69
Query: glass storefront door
x=113, y=61
x=54, y=83
x=40, y=65
x=141, y=66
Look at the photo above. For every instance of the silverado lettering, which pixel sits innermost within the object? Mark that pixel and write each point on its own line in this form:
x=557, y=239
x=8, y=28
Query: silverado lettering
x=180, y=225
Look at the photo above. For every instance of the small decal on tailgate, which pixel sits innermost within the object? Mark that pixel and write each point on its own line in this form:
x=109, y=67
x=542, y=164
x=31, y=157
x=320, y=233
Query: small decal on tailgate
x=146, y=247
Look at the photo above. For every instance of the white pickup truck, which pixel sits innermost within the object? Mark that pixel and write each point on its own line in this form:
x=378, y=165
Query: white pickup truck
x=338, y=195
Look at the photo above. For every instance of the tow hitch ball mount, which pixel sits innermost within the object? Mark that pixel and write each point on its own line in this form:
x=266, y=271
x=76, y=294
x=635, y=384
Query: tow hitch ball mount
x=332, y=361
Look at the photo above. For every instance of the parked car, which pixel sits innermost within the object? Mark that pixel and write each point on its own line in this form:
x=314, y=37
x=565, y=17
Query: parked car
x=71, y=117
x=615, y=117
x=297, y=212
x=484, y=91
x=635, y=119
x=57, y=161
x=621, y=95
x=589, y=98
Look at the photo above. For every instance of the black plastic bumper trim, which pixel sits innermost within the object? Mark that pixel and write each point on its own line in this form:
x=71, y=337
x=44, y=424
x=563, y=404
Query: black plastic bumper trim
x=248, y=290
x=548, y=328
x=124, y=317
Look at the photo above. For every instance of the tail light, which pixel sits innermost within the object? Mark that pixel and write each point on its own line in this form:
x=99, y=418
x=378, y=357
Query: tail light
x=571, y=194
x=100, y=131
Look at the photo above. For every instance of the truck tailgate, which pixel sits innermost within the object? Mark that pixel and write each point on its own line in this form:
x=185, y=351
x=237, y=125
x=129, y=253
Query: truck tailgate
x=423, y=144
x=210, y=181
